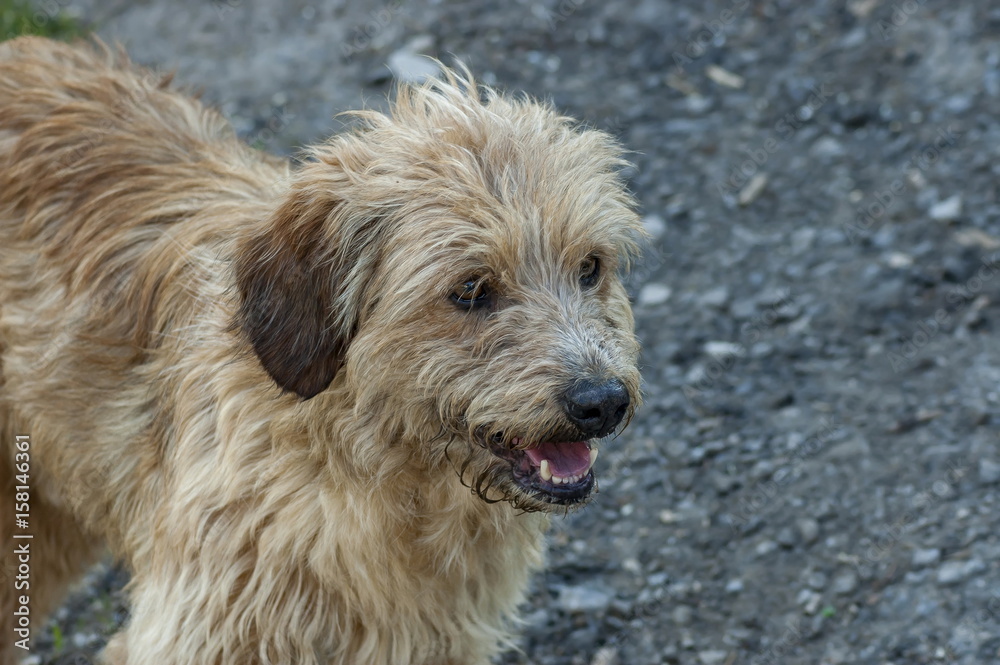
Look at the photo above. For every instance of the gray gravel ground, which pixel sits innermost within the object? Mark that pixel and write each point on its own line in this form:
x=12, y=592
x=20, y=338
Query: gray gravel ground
x=814, y=478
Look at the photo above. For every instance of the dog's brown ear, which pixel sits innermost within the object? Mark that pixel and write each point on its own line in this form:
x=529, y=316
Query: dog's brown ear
x=298, y=287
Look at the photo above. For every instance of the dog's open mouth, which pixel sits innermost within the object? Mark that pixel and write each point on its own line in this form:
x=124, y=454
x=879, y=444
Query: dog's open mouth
x=554, y=472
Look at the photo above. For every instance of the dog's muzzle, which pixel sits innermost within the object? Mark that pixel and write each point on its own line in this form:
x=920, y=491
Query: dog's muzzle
x=552, y=472
x=560, y=471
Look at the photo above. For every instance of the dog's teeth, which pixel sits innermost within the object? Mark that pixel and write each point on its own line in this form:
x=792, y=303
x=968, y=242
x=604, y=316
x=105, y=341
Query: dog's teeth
x=545, y=471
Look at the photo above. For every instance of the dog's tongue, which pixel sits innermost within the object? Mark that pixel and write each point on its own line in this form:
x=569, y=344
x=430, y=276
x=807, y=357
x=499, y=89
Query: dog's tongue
x=565, y=459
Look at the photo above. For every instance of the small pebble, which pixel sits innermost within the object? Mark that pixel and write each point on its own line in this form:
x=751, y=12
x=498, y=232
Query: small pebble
x=631, y=565
x=724, y=483
x=682, y=615
x=654, y=225
x=715, y=297
x=752, y=189
x=668, y=516
x=724, y=77
x=926, y=557
x=657, y=579
x=953, y=572
x=765, y=547
x=989, y=472
x=809, y=600
x=605, y=656
x=786, y=537
x=712, y=657
x=676, y=448
x=827, y=147
x=808, y=530
x=948, y=210
x=816, y=580
x=581, y=599
x=898, y=260
x=654, y=294
x=844, y=583
x=724, y=349
x=412, y=67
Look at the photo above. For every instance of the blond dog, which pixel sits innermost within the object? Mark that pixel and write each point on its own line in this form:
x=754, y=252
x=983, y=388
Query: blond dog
x=269, y=390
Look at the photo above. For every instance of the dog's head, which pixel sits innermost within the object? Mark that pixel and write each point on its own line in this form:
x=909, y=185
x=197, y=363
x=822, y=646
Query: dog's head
x=456, y=265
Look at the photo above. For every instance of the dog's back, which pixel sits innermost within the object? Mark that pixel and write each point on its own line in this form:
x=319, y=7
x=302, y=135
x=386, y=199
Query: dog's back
x=117, y=198
x=101, y=164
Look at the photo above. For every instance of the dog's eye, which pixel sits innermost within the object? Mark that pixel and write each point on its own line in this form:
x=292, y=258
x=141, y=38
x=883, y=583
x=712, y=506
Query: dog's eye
x=471, y=294
x=590, y=270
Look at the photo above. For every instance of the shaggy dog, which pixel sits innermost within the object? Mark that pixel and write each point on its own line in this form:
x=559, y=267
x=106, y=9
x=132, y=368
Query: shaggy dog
x=321, y=413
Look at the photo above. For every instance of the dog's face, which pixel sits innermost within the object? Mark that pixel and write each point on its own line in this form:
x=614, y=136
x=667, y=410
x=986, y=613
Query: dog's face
x=457, y=265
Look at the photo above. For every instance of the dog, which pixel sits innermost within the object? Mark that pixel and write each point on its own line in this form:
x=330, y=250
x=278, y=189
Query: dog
x=324, y=412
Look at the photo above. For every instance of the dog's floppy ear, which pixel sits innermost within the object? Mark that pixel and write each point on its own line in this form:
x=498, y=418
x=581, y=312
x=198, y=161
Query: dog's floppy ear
x=301, y=281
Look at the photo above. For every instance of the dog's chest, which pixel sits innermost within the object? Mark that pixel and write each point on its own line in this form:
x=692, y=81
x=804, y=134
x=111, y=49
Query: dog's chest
x=445, y=579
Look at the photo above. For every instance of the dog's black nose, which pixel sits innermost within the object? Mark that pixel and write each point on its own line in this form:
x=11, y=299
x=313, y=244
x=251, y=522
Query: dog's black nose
x=597, y=408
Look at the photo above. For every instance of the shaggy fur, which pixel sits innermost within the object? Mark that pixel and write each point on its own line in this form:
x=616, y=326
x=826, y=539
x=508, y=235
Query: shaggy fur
x=254, y=383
